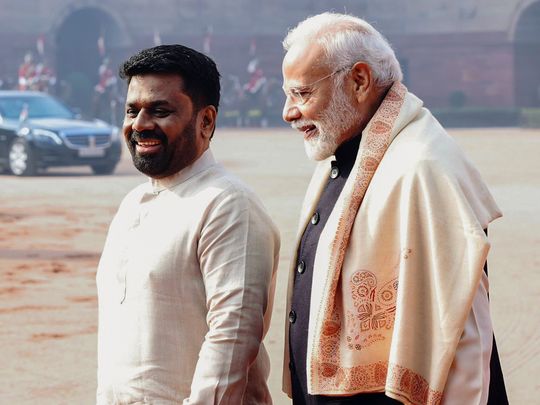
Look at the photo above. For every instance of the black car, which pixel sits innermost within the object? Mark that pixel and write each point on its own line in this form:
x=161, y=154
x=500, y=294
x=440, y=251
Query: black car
x=37, y=131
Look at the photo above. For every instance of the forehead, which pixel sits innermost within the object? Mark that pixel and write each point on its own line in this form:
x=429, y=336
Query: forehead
x=303, y=64
x=150, y=87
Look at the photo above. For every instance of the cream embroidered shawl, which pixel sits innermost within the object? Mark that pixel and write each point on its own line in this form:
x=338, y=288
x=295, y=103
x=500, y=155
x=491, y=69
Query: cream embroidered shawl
x=398, y=261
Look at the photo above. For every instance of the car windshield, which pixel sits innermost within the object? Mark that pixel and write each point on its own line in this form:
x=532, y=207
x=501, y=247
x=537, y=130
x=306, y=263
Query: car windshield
x=33, y=107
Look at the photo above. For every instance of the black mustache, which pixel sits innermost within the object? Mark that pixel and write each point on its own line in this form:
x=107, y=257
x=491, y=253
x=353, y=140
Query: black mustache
x=137, y=136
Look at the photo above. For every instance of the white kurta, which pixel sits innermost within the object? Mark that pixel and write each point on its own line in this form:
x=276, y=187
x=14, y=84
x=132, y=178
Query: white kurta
x=185, y=287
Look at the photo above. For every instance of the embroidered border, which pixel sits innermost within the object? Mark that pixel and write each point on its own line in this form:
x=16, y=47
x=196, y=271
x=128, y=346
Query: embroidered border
x=377, y=139
x=378, y=377
x=412, y=386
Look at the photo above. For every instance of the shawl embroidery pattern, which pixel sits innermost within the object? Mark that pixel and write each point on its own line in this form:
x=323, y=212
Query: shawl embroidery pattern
x=374, y=306
x=331, y=376
x=375, y=309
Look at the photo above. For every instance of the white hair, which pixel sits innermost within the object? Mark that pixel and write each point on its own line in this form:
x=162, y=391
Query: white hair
x=345, y=40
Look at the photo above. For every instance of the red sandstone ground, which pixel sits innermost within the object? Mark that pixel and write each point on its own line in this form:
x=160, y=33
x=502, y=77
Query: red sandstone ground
x=52, y=229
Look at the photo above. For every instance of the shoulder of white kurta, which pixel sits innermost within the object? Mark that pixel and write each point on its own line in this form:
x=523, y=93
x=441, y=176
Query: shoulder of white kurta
x=221, y=184
x=216, y=188
x=229, y=203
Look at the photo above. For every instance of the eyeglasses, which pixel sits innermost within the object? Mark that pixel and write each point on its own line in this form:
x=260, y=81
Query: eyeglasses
x=299, y=95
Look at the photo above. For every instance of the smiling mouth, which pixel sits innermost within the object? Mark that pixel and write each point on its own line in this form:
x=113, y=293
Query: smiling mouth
x=147, y=146
x=308, y=130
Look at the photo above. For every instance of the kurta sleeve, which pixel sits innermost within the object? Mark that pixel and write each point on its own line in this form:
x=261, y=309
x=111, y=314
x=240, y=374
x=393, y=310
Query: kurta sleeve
x=237, y=251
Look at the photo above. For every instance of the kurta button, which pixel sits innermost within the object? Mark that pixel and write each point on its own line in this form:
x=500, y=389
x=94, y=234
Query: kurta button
x=315, y=218
x=301, y=267
x=292, y=317
x=334, y=173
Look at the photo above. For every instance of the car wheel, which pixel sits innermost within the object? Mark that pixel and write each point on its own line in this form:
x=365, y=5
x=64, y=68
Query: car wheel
x=105, y=168
x=21, y=158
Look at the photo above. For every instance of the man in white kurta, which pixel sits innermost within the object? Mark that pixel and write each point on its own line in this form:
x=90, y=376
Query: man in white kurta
x=186, y=279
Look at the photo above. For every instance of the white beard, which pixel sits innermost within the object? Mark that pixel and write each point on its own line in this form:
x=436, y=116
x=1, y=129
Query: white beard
x=339, y=117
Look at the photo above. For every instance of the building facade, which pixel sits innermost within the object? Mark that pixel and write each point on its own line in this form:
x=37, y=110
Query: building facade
x=472, y=52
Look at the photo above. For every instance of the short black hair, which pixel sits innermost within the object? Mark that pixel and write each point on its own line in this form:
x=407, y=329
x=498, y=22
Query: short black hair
x=199, y=72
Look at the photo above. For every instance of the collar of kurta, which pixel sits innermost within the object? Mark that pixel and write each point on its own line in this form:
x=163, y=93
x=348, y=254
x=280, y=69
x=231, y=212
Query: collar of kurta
x=202, y=163
x=346, y=153
x=393, y=281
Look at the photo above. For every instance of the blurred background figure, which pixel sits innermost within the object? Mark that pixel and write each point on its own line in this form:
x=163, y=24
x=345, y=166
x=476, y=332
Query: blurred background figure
x=106, y=96
x=44, y=78
x=27, y=71
x=232, y=94
x=254, y=94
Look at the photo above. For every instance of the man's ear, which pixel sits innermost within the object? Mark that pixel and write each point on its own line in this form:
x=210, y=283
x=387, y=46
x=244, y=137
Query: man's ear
x=207, y=121
x=362, y=81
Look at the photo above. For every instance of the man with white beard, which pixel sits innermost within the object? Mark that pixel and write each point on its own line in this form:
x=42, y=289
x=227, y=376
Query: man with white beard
x=388, y=300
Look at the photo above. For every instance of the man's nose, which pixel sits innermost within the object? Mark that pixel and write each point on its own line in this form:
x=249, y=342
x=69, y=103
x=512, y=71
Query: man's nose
x=142, y=122
x=290, y=111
